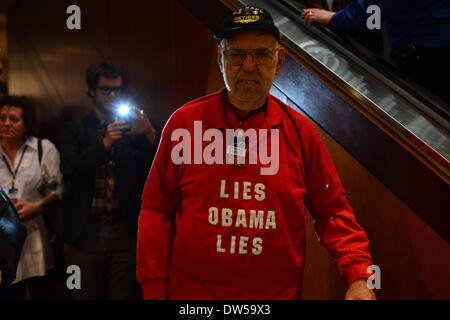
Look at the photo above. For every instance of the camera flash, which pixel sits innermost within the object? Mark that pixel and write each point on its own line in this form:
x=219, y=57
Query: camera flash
x=124, y=110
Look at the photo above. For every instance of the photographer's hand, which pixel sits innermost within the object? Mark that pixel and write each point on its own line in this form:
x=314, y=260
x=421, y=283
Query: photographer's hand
x=114, y=133
x=141, y=124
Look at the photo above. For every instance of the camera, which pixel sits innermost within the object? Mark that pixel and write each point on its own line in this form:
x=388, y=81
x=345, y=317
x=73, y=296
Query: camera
x=47, y=186
x=124, y=111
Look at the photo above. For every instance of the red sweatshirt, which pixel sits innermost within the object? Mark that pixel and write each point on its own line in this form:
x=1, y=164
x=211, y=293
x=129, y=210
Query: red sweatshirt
x=222, y=231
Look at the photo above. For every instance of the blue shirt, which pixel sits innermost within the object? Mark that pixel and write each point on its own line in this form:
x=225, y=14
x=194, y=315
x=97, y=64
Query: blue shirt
x=426, y=23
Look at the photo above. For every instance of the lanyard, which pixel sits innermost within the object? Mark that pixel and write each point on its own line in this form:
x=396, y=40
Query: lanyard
x=251, y=113
x=18, y=165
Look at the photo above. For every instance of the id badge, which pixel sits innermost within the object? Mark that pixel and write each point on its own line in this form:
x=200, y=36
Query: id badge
x=12, y=193
x=236, y=149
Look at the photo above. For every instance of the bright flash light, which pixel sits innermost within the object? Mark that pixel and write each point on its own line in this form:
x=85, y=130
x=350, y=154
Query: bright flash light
x=123, y=110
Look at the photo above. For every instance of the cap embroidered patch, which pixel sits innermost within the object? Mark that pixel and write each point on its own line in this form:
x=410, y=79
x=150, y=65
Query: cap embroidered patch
x=247, y=15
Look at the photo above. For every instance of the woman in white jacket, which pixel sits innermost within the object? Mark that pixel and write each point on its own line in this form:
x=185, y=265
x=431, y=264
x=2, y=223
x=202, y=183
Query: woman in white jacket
x=30, y=175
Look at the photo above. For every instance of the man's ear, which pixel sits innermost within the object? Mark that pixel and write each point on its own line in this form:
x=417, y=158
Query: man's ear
x=90, y=93
x=219, y=57
x=280, y=60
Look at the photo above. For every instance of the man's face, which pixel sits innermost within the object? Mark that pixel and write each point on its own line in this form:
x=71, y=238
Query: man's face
x=249, y=82
x=107, y=93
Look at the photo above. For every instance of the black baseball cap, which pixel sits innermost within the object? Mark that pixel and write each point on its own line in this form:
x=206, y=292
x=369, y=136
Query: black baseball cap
x=248, y=17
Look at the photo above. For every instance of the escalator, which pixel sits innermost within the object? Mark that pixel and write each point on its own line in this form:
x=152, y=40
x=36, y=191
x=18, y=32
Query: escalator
x=394, y=128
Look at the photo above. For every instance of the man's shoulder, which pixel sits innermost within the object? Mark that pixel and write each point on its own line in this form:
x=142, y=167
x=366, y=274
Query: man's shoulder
x=194, y=109
x=80, y=123
x=300, y=121
x=197, y=105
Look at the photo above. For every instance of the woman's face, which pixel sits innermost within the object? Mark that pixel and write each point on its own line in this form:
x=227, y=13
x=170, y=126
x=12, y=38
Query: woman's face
x=12, y=125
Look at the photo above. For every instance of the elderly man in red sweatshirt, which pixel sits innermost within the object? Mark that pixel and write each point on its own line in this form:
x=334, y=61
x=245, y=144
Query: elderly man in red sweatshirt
x=220, y=218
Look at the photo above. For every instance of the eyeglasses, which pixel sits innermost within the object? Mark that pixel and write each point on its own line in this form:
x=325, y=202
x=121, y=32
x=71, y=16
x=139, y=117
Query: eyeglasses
x=261, y=56
x=106, y=90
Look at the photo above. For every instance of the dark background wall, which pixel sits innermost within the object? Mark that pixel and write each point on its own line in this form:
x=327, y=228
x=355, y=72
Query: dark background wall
x=169, y=54
x=171, y=57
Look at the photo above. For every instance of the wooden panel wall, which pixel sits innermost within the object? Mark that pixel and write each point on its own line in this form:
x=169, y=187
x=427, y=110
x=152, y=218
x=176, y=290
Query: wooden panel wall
x=171, y=59
x=3, y=36
x=170, y=55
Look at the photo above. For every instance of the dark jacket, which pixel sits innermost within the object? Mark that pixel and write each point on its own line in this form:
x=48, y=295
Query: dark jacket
x=424, y=23
x=81, y=154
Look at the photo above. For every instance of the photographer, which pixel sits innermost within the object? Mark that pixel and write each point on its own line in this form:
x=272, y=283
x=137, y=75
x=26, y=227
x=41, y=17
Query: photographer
x=29, y=174
x=105, y=159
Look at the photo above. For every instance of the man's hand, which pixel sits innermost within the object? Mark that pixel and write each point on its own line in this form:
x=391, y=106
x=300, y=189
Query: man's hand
x=114, y=133
x=317, y=15
x=358, y=290
x=27, y=210
x=141, y=124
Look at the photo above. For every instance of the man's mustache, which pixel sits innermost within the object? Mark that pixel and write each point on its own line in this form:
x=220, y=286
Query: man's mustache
x=249, y=77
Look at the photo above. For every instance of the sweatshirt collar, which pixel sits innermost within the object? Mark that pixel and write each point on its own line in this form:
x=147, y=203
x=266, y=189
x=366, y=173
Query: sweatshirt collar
x=218, y=114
